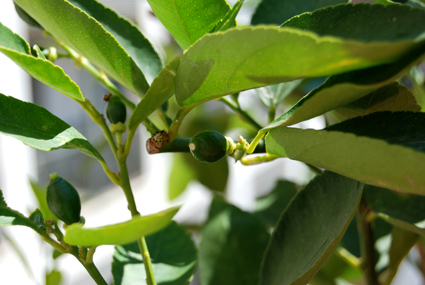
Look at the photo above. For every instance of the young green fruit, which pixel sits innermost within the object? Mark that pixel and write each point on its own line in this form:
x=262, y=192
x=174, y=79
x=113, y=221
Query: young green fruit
x=209, y=146
x=63, y=200
x=116, y=111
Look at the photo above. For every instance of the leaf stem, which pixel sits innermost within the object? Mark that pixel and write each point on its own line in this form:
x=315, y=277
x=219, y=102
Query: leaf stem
x=100, y=120
x=175, y=125
x=235, y=107
x=126, y=186
x=366, y=244
x=252, y=146
x=258, y=159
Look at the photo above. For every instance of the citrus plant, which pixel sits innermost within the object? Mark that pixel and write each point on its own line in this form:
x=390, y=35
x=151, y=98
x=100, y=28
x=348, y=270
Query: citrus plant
x=358, y=65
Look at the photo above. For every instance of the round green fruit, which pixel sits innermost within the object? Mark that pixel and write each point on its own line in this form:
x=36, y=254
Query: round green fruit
x=116, y=111
x=63, y=200
x=208, y=146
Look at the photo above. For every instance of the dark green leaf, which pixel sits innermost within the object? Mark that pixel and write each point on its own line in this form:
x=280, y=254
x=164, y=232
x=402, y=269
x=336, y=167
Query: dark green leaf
x=269, y=207
x=401, y=210
x=229, y=20
x=172, y=253
x=373, y=22
x=310, y=229
x=127, y=34
x=343, y=89
x=231, y=247
x=9, y=217
x=181, y=175
x=392, y=97
x=384, y=149
x=85, y=35
x=210, y=69
x=121, y=233
x=18, y=50
x=26, y=18
x=161, y=90
x=40, y=129
x=278, y=11
x=189, y=20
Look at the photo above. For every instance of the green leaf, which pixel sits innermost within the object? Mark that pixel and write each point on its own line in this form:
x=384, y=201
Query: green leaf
x=402, y=210
x=392, y=97
x=40, y=193
x=229, y=20
x=35, y=126
x=278, y=11
x=18, y=50
x=269, y=207
x=181, y=175
x=121, y=233
x=189, y=20
x=9, y=217
x=127, y=34
x=339, y=90
x=383, y=149
x=373, y=22
x=232, y=245
x=310, y=229
x=54, y=277
x=85, y=35
x=26, y=18
x=161, y=90
x=210, y=69
x=172, y=253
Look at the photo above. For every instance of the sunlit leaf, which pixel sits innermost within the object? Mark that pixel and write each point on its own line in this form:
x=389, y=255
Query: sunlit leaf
x=384, y=149
x=40, y=129
x=18, y=50
x=121, y=233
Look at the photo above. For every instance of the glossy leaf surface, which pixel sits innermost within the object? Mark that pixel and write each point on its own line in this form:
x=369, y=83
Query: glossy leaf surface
x=38, y=128
x=384, y=149
x=85, y=35
x=161, y=90
x=389, y=23
x=121, y=233
x=392, y=97
x=127, y=34
x=231, y=247
x=189, y=20
x=18, y=50
x=210, y=69
x=172, y=253
x=310, y=229
x=339, y=90
x=278, y=11
x=402, y=210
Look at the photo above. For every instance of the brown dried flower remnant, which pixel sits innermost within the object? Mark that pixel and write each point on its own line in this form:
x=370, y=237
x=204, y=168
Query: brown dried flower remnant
x=155, y=143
